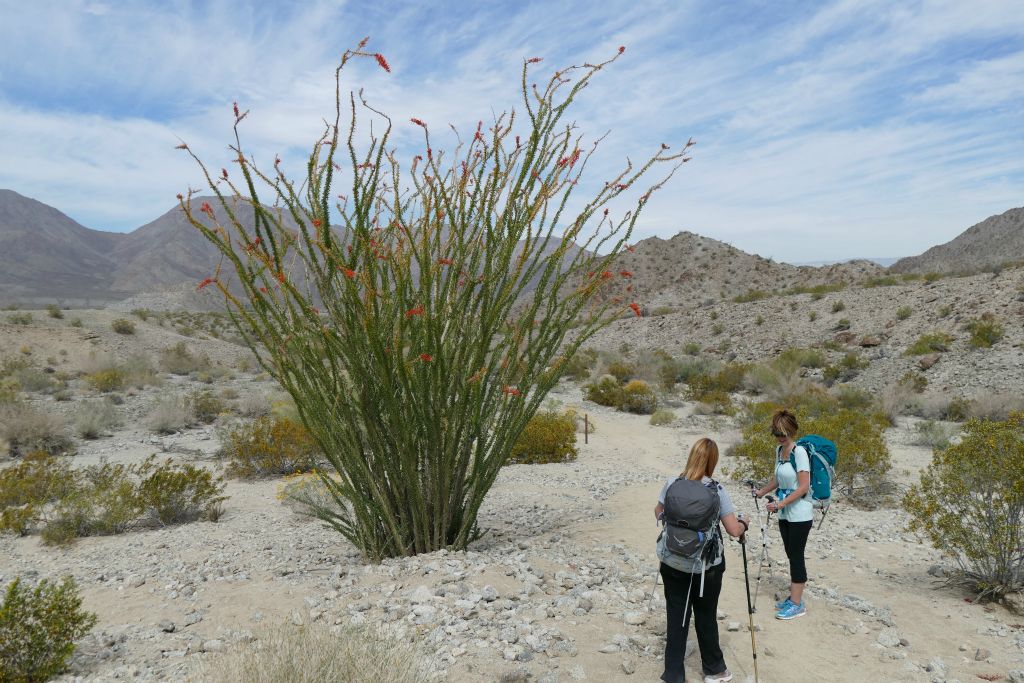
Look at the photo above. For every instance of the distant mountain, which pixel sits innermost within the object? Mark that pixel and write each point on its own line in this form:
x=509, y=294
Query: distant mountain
x=884, y=261
x=993, y=242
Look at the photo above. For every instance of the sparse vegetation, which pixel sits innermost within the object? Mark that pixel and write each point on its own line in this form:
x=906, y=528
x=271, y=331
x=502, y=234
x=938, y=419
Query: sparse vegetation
x=986, y=331
x=934, y=435
x=638, y=397
x=838, y=307
x=111, y=379
x=914, y=381
x=268, y=447
x=123, y=326
x=846, y=369
x=904, y=312
x=205, y=406
x=549, y=436
x=170, y=413
x=179, y=360
x=984, y=531
x=20, y=318
x=841, y=325
x=934, y=342
x=94, y=418
x=53, y=310
x=38, y=629
x=26, y=428
x=662, y=417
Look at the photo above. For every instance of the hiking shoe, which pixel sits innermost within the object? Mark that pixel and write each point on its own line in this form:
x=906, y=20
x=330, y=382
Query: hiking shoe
x=783, y=604
x=792, y=611
x=717, y=678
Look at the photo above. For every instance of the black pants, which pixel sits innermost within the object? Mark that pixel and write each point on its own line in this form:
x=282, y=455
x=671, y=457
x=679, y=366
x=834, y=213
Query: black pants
x=705, y=613
x=794, y=538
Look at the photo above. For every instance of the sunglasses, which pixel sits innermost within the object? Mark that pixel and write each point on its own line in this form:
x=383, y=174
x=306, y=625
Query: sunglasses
x=778, y=435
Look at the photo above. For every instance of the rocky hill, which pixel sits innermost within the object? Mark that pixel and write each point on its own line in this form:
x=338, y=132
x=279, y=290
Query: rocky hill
x=989, y=244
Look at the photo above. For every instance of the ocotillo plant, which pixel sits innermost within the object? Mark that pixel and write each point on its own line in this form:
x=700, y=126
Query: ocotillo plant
x=419, y=336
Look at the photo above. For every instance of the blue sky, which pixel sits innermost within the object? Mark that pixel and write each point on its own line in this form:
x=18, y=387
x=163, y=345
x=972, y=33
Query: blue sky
x=825, y=130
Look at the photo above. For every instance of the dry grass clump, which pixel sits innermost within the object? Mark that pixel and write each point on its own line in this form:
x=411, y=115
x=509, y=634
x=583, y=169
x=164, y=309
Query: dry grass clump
x=94, y=418
x=268, y=447
x=934, y=435
x=123, y=326
x=995, y=405
x=25, y=428
x=662, y=417
x=985, y=331
x=253, y=404
x=179, y=360
x=934, y=342
x=139, y=371
x=170, y=413
x=312, y=654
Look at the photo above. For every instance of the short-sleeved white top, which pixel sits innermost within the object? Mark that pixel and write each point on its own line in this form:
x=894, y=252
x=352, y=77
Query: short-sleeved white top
x=786, y=477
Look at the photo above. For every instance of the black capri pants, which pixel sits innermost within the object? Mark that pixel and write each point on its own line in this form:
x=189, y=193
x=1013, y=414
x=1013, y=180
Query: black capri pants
x=794, y=538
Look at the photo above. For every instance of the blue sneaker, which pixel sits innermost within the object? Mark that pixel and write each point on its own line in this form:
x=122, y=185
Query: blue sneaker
x=792, y=611
x=783, y=604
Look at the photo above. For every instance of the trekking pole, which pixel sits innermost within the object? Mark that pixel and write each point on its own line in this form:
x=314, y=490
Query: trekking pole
x=764, y=559
x=654, y=589
x=750, y=605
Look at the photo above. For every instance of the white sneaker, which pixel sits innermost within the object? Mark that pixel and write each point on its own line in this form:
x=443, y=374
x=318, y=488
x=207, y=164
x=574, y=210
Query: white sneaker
x=719, y=678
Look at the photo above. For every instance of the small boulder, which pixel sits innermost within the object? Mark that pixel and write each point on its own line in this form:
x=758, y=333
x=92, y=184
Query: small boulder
x=928, y=361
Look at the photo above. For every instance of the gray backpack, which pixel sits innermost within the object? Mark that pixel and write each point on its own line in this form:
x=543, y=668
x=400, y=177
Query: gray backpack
x=692, y=509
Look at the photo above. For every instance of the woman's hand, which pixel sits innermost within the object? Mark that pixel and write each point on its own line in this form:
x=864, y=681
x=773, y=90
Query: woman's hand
x=774, y=506
x=659, y=510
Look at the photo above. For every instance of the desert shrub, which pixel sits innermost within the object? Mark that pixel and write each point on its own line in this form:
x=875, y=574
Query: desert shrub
x=903, y=312
x=854, y=398
x=846, y=369
x=714, y=402
x=11, y=365
x=123, y=326
x=622, y=372
x=662, y=310
x=175, y=494
x=863, y=455
x=205, y=406
x=984, y=530
x=812, y=316
x=929, y=343
x=994, y=405
x=94, y=418
x=934, y=435
x=139, y=372
x=985, y=331
x=549, y=436
x=945, y=310
x=111, y=379
x=579, y=364
x=691, y=348
x=253, y=404
x=662, y=417
x=778, y=382
x=727, y=379
x=102, y=501
x=20, y=318
x=751, y=295
x=33, y=379
x=268, y=446
x=606, y=391
x=311, y=654
x=816, y=290
x=801, y=358
x=76, y=322
x=38, y=629
x=717, y=329
x=931, y=277
x=882, y=281
x=141, y=313
x=759, y=320
x=838, y=307
x=179, y=360
x=28, y=487
x=26, y=429
x=170, y=413
x=53, y=310
x=638, y=397
x=894, y=400
x=955, y=409
x=914, y=381
x=841, y=325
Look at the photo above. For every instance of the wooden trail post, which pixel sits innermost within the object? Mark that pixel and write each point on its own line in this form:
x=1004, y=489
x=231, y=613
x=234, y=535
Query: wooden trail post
x=586, y=427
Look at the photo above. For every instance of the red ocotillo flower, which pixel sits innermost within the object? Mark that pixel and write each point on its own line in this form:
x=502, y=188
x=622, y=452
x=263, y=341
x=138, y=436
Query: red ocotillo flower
x=179, y=196
x=316, y=223
x=181, y=146
x=625, y=273
x=224, y=172
x=349, y=273
x=204, y=283
x=255, y=243
x=534, y=60
x=444, y=261
x=383, y=62
x=511, y=391
x=636, y=309
x=630, y=249
x=622, y=48
x=418, y=310
x=263, y=290
x=234, y=106
x=280, y=277
x=606, y=275
x=206, y=208
x=426, y=357
x=418, y=122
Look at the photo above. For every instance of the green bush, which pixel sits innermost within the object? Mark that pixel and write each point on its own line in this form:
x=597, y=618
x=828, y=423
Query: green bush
x=638, y=397
x=606, y=391
x=970, y=502
x=170, y=413
x=903, y=312
x=20, y=318
x=934, y=435
x=53, y=310
x=945, y=310
x=103, y=501
x=985, y=331
x=691, y=348
x=752, y=295
x=175, y=494
x=854, y=398
x=882, y=281
x=95, y=418
x=38, y=629
x=549, y=436
x=141, y=313
x=846, y=369
x=929, y=343
x=34, y=379
x=812, y=316
x=205, y=406
x=111, y=379
x=579, y=365
x=76, y=322
x=914, y=381
x=727, y=379
x=123, y=326
x=28, y=487
x=801, y=358
x=842, y=325
x=623, y=372
x=663, y=417
x=838, y=307
x=268, y=446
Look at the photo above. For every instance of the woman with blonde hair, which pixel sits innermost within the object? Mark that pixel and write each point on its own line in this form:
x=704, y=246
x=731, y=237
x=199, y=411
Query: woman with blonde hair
x=693, y=576
x=792, y=479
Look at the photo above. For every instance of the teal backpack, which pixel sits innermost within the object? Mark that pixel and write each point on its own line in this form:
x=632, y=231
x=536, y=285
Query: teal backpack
x=822, y=454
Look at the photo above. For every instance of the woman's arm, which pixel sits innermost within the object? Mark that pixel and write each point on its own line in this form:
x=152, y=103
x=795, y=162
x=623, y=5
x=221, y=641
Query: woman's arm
x=734, y=526
x=658, y=510
x=803, y=479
